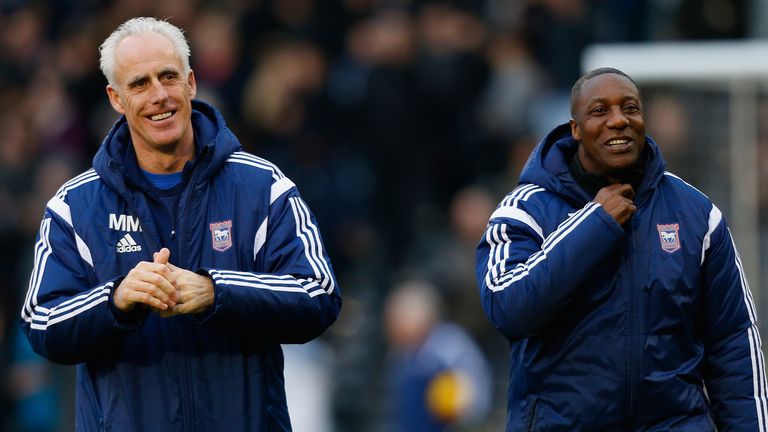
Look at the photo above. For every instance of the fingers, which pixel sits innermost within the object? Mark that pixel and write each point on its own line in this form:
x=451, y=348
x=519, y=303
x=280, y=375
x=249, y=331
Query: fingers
x=195, y=293
x=626, y=191
x=147, y=283
x=162, y=256
x=147, y=293
x=617, y=201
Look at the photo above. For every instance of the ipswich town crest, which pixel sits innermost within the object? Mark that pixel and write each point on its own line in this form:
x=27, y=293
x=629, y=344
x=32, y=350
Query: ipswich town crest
x=221, y=235
x=669, y=236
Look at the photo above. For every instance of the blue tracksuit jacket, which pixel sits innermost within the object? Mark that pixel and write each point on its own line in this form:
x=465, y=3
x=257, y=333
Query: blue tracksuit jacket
x=241, y=221
x=646, y=327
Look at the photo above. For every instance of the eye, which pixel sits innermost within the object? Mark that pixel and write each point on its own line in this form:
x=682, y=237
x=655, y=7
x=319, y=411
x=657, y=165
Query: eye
x=138, y=84
x=598, y=110
x=169, y=77
x=631, y=108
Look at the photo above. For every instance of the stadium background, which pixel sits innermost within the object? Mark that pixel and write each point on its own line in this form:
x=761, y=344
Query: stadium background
x=402, y=123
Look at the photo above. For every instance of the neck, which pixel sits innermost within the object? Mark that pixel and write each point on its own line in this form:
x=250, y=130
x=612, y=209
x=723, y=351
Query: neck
x=593, y=182
x=165, y=160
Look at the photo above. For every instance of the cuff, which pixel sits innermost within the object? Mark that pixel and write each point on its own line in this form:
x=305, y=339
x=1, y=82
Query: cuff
x=126, y=320
x=214, y=309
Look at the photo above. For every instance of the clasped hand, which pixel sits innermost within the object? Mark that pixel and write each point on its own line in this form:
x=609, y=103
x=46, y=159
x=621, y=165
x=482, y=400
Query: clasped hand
x=167, y=289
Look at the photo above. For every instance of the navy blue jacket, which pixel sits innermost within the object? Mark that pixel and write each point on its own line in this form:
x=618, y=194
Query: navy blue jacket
x=646, y=327
x=241, y=221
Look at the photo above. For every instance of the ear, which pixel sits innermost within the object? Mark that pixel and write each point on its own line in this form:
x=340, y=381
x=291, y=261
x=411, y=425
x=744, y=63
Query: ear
x=114, y=100
x=192, y=84
x=575, y=129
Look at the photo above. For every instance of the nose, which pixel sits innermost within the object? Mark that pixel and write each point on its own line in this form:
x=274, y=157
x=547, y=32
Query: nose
x=617, y=119
x=158, y=93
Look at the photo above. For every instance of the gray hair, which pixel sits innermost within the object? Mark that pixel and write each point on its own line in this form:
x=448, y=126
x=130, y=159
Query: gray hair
x=136, y=26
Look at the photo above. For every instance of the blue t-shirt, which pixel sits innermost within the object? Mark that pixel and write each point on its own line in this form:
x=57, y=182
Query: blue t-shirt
x=165, y=209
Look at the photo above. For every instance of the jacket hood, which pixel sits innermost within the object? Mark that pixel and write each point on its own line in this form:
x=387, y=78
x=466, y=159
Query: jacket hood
x=548, y=167
x=116, y=164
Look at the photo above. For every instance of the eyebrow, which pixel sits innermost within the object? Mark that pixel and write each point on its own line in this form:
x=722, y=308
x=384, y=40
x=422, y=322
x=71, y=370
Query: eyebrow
x=604, y=99
x=166, y=70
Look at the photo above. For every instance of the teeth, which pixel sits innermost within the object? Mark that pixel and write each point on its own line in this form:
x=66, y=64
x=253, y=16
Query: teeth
x=157, y=117
x=617, y=142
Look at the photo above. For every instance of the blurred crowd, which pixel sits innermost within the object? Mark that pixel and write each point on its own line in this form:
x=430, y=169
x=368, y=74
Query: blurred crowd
x=402, y=122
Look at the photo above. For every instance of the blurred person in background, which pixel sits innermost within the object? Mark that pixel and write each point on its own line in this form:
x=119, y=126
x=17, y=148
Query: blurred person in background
x=172, y=270
x=438, y=376
x=618, y=285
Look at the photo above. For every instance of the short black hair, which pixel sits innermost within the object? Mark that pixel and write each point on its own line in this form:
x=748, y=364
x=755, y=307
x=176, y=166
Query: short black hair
x=576, y=89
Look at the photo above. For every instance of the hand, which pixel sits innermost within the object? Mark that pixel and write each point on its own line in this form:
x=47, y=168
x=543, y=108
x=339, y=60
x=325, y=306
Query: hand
x=616, y=200
x=195, y=292
x=148, y=284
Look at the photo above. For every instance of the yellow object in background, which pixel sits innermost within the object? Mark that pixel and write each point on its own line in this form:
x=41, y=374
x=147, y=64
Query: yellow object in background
x=448, y=395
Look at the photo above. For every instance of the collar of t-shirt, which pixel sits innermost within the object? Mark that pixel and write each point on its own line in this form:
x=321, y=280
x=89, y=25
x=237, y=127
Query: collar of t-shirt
x=163, y=181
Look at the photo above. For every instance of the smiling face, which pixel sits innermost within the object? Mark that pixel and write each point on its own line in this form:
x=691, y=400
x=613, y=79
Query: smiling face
x=608, y=123
x=156, y=98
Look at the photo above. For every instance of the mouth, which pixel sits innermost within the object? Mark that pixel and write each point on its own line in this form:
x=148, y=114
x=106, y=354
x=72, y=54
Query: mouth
x=619, y=144
x=161, y=116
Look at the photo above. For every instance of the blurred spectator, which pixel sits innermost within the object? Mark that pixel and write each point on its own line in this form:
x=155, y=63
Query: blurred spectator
x=438, y=375
x=446, y=254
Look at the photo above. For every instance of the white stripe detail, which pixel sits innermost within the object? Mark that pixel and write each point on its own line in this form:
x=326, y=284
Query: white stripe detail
x=259, y=160
x=283, y=283
x=260, y=238
x=42, y=252
x=58, y=206
x=61, y=208
x=253, y=164
x=523, y=269
x=520, y=193
x=254, y=161
x=758, y=362
x=518, y=215
x=715, y=216
x=746, y=292
x=85, y=253
x=81, y=179
x=758, y=377
x=315, y=252
x=44, y=318
x=280, y=187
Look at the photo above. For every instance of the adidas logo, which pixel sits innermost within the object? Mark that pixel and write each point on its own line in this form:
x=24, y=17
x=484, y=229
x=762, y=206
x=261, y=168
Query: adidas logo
x=128, y=244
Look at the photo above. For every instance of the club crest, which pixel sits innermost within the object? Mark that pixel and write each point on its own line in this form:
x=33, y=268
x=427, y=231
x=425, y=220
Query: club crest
x=669, y=236
x=221, y=235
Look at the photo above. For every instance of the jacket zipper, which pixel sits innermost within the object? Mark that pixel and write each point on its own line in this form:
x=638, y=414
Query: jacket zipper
x=634, y=334
x=187, y=398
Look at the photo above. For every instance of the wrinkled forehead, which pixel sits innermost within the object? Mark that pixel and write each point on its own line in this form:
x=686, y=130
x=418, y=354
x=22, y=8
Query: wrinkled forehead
x=144, y=50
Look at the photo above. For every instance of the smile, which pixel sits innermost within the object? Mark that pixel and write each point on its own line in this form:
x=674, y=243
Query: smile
x=617, y=142
x=161, y=116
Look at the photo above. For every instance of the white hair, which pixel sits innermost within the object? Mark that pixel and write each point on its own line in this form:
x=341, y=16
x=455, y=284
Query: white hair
x=136, y=26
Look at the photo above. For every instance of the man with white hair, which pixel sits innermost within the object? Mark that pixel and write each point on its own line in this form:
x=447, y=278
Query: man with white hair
x=172, y=270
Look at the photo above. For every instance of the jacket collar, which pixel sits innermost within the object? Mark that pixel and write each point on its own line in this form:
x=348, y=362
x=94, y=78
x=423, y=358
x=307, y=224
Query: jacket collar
x=116, y=163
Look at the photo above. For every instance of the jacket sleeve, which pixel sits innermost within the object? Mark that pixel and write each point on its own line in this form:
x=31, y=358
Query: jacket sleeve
x=66, y=318
x=524, y=278
x=734, y=365
x=297, y=297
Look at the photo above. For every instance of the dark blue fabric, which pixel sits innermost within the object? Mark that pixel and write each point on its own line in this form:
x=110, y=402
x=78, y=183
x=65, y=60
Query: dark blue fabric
x=236, y=221
x=646, y=327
